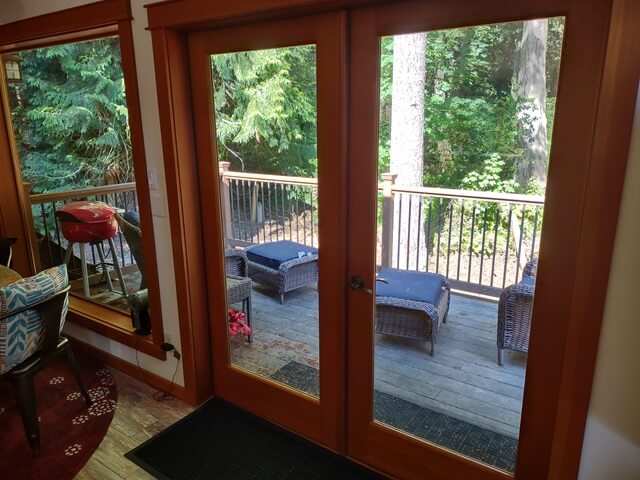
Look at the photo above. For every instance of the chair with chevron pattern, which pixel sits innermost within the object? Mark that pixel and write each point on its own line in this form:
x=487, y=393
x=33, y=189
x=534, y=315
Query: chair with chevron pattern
x=32, y=313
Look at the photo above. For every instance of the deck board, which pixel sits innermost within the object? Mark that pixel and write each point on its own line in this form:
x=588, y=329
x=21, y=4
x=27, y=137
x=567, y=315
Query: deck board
x=462, y=380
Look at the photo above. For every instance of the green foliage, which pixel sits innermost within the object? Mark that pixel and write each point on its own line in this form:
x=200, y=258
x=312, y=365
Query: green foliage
x=265, y=106
x=70, y=116
x=471, y=133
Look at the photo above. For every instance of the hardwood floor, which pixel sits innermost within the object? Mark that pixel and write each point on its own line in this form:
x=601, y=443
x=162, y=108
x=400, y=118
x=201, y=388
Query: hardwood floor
x=462, y=380
x=138, y=417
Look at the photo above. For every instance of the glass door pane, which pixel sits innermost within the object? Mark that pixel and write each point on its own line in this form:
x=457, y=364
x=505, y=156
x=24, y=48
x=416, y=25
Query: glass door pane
x=465, y=125
x=265, y=125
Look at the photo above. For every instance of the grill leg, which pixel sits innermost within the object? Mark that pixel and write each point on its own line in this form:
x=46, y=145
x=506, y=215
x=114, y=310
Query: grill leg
x=68, y=253
x=85, y=273
x=116, y=265
x=104, y=265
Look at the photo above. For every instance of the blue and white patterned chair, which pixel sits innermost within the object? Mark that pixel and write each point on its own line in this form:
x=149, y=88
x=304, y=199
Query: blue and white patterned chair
x=32, y=313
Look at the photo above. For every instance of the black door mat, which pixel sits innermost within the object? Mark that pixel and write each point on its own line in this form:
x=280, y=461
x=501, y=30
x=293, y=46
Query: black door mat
x=220, y=441
x=471, y=440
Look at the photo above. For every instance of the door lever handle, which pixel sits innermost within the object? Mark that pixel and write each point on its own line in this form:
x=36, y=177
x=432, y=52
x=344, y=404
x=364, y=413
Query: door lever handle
x=357, y=283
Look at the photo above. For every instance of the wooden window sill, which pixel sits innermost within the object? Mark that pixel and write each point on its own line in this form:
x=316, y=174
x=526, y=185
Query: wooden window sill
x=112, y=324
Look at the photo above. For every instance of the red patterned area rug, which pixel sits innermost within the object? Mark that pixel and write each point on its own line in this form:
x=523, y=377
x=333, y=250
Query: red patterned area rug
x=69, y=430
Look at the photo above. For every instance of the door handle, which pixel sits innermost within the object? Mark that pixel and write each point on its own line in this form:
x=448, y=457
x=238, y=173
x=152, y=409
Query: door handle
x=357, y=283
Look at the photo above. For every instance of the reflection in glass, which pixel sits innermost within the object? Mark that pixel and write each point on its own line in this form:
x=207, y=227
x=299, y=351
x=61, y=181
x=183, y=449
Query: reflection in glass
x=71, y=130
x=456, y=267
x=265, y=117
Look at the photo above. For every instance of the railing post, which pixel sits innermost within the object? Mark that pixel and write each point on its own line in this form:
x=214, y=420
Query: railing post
x=388, y=180
x=36, y=264
x=225, y=199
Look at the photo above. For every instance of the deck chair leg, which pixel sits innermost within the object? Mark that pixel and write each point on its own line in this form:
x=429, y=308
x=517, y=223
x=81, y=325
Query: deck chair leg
x=76, y=373
x=26, y=399
x=500, y=356
x=433, y=347
x=282, y=299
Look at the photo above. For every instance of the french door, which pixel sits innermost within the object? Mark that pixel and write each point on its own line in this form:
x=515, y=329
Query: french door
x=292, y=370
x=415, y=386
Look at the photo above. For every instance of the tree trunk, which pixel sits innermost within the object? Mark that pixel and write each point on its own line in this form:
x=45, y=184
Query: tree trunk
x=532, y=91
x=407, y=146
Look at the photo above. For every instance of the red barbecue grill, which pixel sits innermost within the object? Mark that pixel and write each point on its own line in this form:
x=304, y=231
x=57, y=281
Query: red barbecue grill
x=91, y=223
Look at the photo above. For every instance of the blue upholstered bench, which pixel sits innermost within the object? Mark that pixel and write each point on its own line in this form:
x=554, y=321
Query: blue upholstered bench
x=411, y=304
x=283, y=265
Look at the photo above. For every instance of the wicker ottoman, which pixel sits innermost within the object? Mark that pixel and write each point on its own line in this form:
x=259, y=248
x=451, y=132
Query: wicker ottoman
x=411, y=304
x=283, y=265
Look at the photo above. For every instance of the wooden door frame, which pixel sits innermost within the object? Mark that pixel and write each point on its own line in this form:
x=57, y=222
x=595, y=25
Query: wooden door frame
x=600, y=189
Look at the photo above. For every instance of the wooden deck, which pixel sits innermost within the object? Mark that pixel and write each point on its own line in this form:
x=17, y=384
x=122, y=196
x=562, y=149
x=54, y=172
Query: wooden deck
x=462, y=380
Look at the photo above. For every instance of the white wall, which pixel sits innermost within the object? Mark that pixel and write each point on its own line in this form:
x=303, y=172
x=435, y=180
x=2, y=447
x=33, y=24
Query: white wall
x=612, y=439
x=611, y=448
x=13, y=10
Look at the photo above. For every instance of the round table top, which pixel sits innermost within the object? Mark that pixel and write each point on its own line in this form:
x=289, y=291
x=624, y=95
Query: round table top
x=8, y=276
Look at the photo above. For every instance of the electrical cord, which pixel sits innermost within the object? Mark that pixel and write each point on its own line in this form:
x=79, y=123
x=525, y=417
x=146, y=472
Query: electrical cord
x=159, y=395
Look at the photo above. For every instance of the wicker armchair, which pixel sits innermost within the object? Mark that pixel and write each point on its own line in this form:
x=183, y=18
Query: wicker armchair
x=514, y=313
x=236, y=263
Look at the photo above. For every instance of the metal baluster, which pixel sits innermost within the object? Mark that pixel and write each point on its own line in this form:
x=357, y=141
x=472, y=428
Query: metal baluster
x=449, y=235
x=419, y=232
x=297, y=216
x=439, y=234
x=460, y=240
x=409, y=231
x=506, y=252
x=428, y=239
x=400, y=195
x=55, y=222
x=277, y=215
x=473, y=226
x=313, y=238
x=46, y=230
x=290, y=212
x=270, y=215
x=522, y=226
x=535, y=232
x=244, y=210
x=304, y=216
x=237, y=215
x=484, y=235
x=263, y=212
x=495, y=243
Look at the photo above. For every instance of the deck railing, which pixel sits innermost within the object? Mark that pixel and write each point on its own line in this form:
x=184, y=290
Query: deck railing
x=480, y=240
x=51, y=244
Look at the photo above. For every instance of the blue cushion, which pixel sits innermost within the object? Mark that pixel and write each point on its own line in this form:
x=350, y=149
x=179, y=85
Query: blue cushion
x=528, y=281
x=417, y=286
x=132, y=217
x=274, y=254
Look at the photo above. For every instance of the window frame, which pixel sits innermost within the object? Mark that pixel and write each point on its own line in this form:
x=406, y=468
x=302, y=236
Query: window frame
x=86, y=22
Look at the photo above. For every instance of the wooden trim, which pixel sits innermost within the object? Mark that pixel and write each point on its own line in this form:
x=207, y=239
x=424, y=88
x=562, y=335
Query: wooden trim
x=112, y=324
x=320, y=420
x=62, y=22
x=82, y=192
x=130, y=76
x=82, y=36
x=603, y=193
x=176, y=123
x=132, y=370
